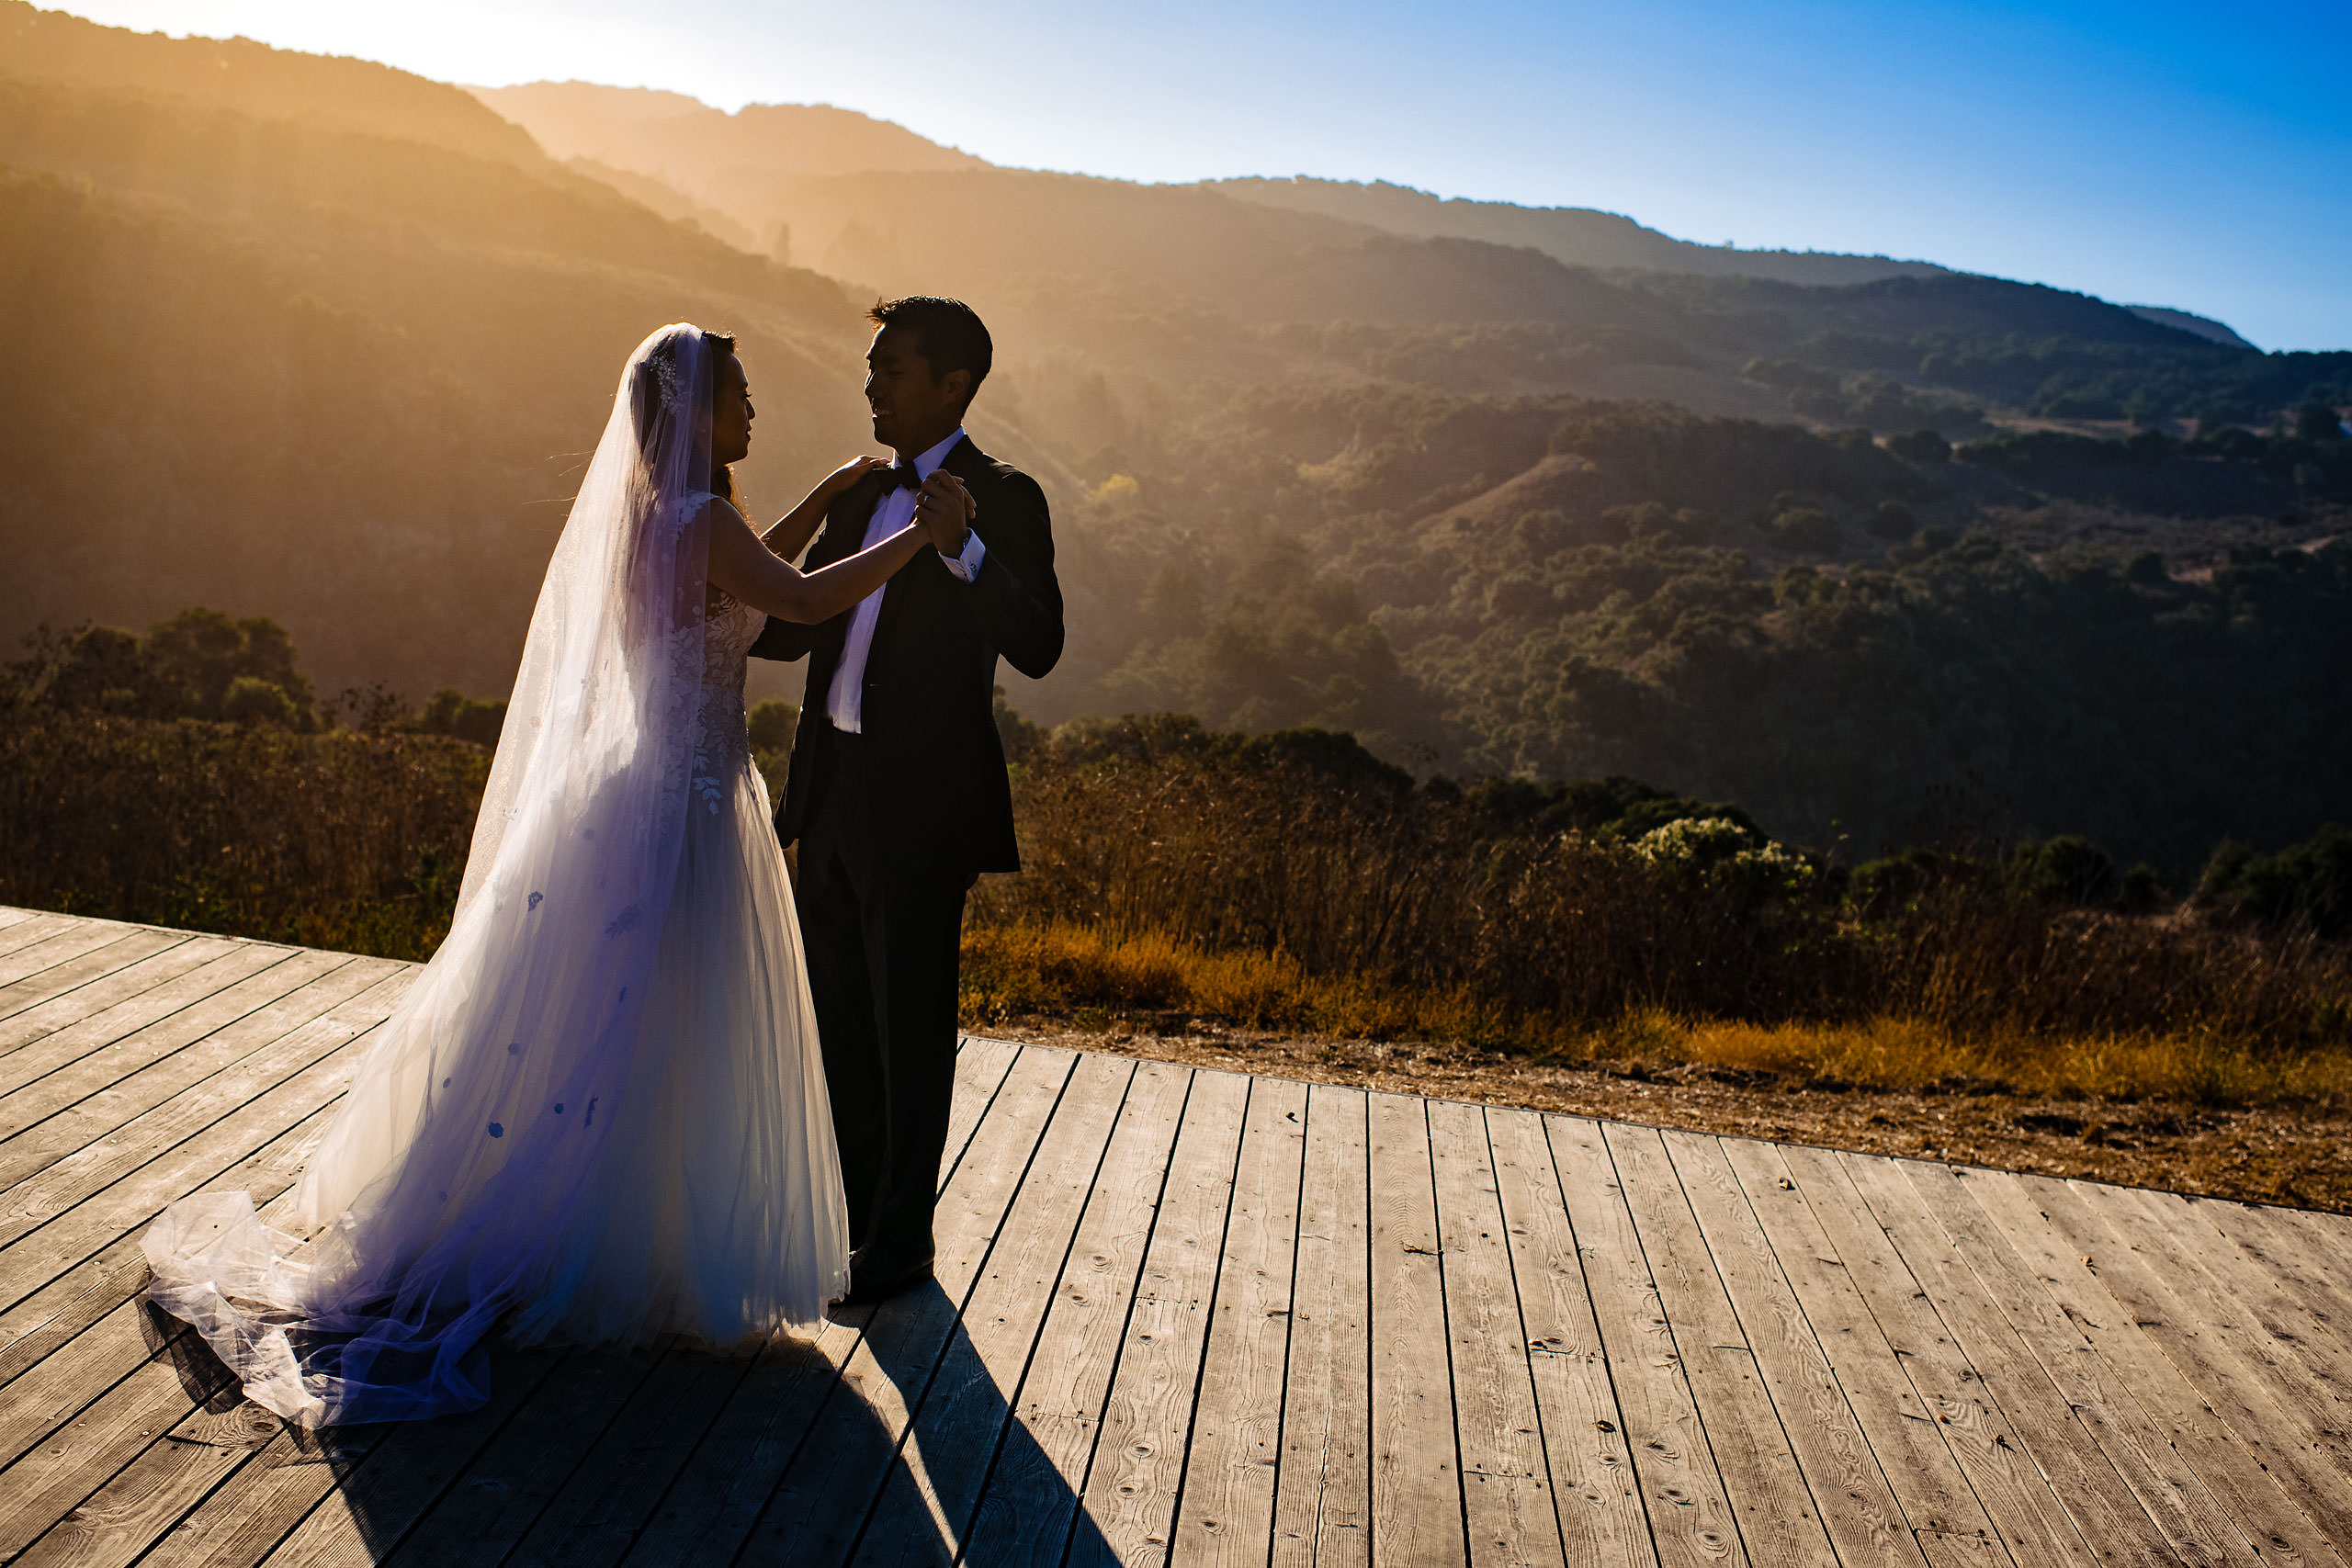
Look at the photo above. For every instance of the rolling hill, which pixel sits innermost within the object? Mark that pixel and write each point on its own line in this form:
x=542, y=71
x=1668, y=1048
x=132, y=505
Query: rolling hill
x=324, y=341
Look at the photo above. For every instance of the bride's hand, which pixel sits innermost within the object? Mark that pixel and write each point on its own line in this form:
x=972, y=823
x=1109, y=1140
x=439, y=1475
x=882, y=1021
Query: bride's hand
x=848, y=473
x=945, y=508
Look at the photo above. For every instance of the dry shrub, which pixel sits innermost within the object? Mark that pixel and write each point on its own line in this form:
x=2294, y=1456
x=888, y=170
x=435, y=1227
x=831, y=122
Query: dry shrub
x=351, y=841
x=1339, y=898
x=1358, y=878
x=1175, y=877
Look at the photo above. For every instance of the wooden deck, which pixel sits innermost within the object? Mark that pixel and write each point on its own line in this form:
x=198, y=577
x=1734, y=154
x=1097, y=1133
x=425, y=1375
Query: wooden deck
x=1196, y=1317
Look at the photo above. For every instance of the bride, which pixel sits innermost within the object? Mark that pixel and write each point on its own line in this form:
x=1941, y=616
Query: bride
x=599, y=1114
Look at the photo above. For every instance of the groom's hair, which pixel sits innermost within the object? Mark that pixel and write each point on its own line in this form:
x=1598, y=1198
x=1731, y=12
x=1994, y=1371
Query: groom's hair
x=947, y=332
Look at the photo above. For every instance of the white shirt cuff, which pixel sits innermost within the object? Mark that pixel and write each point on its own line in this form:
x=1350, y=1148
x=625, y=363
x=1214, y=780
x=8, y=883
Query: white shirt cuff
x=967, y=565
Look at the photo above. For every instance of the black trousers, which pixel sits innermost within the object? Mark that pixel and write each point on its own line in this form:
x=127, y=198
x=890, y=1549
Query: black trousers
x=881, y=921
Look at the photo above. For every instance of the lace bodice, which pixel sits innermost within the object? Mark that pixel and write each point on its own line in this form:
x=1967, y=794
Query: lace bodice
x=722, y=745
x=729, y=628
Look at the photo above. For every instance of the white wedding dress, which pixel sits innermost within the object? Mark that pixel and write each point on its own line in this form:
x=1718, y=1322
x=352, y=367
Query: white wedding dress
x=600, y=1115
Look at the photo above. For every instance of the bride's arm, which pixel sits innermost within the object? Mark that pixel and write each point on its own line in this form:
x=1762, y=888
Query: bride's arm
x=744, y=566
x=797, y=528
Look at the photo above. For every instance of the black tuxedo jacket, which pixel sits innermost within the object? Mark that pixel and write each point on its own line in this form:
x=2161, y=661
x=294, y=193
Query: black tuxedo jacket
x=928, y=716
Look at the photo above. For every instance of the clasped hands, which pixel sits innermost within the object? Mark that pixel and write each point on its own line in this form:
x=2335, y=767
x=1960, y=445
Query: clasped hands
x=944, y=509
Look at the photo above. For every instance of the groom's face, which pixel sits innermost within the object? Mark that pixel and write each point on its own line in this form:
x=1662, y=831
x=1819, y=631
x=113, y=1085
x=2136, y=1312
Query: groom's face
x=912, y=412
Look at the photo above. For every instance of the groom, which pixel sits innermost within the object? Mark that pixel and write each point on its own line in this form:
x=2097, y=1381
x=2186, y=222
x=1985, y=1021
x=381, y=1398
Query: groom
x=898, y=792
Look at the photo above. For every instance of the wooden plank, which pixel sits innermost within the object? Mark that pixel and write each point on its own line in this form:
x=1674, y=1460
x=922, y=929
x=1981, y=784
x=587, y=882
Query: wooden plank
x=1225, y=1513
x=1988, y=1313
x=246, y=1519
x=36, y=1407
x=51, y=1075
x=32, y=1330
x=2309, y=1255
x=980, y=1067
x=720, y=1470
x=31, y=932
x=1962, y=1550
x=1323, y=1486
x=122, y=1029
x=124, y=1510
x=78, y=973
x=72, y=1341
x=27, y=950
x=1675, y=1456
x=601, y=1507
x=65, y=1184
x=1779, y=1519
x=1417, y=1503
x=98, y=1118
x=81, y=1365
x=1904, y=1434
x=2304, y=1456
x=2258, y=1495
x=1848, y=1485
x=1129, y=1493
x=161, y=1478
x=724, y=1482
x=2305, y=1359
x=817, y=1506
x=513, y=1479
x=414, y=1465
x=1027, y=1512
x=154, y=1491
x=199, y=1142
x=702, y=1514
x=130, y=1484
x=105, y=1004
x=2015, y=1495
x=927, y=1499
x=2172, y=1494
x=1506, y=1478
x=1595, y=1496
x=60, y=948
x=44, y=1485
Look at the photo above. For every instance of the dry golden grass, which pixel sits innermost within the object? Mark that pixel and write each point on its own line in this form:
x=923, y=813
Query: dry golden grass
x=1096, y=978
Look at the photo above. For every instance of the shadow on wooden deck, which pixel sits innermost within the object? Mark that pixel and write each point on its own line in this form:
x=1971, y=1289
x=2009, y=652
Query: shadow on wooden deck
x=1191, y=1317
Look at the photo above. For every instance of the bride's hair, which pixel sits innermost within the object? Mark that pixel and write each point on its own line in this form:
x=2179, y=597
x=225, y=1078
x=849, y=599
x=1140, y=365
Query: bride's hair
x=645, y=397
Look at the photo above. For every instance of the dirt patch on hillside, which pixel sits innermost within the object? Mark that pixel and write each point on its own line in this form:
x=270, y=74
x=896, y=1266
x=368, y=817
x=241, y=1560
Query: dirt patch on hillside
x=2295, y=1154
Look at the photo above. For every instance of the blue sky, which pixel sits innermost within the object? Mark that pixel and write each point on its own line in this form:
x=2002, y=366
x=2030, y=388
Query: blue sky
x=2151, y=153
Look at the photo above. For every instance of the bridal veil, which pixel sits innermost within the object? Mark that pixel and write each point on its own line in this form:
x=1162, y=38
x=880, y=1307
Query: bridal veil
x=446, y=1191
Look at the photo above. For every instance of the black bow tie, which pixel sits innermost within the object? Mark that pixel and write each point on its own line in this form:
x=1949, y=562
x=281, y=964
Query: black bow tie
x=904, y=475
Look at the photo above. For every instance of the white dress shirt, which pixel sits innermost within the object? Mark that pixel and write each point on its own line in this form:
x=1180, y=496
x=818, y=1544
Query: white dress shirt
x=845, y=699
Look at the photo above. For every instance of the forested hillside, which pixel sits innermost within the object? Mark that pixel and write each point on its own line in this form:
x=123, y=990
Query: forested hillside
x=2027, y=636
x=1920, y=554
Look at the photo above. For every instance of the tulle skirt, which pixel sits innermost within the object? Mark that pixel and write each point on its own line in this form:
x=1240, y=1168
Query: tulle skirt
x=698, y=1191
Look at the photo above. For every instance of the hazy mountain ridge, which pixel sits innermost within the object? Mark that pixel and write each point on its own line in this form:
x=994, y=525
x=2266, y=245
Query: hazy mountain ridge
x=771, y=164
x=1579, y=236
x=2203, y=326
x=53, y=46
x=1245, y=278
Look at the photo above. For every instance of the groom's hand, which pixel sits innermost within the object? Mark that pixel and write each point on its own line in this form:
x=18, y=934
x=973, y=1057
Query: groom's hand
x=945, y=508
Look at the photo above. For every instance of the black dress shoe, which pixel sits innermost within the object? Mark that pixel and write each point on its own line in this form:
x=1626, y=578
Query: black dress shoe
x=878, y=1279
